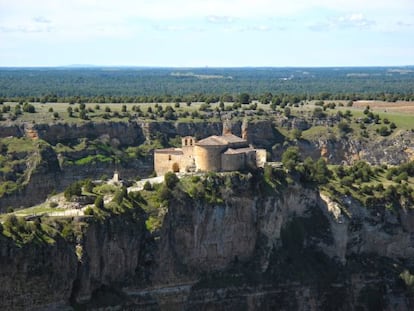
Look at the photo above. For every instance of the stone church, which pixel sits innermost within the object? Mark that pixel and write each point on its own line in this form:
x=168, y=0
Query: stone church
x=227, y=152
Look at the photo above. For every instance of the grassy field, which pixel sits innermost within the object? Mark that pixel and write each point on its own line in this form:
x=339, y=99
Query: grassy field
x=401, y=113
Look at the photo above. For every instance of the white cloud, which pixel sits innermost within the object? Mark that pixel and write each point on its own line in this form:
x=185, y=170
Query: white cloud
x=177, y=28
x=41, y=20
x=355, y=20
x=127, y=17
x=214, y=19
x=177, y=9
x=404, y=24
x=260, y=28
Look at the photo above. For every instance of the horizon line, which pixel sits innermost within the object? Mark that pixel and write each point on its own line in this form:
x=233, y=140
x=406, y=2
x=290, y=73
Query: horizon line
x=90, y=66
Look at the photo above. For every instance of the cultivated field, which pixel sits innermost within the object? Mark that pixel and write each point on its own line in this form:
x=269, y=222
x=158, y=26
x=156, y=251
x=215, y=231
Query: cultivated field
x=399, y=106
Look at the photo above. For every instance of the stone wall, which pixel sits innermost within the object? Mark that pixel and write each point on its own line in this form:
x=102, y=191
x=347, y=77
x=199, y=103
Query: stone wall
x=208, y=158
x=241, y=161
x=261, y=157
x=233, y=162
x=163, y=162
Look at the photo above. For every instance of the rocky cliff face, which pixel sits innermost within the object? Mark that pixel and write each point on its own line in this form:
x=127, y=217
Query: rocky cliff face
x=36, y=275
x=296, y=250
x=95, y=265
x=126, y=133
x=388, y=150
x=47, y=175
x=264, y=134
x=249, y=248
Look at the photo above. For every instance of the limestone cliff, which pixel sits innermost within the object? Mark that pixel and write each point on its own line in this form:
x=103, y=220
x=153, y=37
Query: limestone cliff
x=95, y=261
x=395, y=149
x=239, y=245
x=292, y=250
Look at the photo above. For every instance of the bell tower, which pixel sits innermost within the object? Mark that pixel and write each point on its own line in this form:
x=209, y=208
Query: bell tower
x=244, y=128
x=226, y=127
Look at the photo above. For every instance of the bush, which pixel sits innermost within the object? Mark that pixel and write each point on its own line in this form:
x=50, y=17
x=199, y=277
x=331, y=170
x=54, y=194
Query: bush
x=88, y=185
x=53, y=204
x=171, y=180
x=318, y=113
x=74, y=189
x=99, y=202
x=148, y=186
x=383, y=131
x=344, y=127
x=347, y=181
x=290, y=158
x=88, y=211
x=120, y=195
x=29, y=108
x=164, y=193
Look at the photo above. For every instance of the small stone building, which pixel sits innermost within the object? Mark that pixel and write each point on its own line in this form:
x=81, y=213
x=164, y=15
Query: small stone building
x=227, y=152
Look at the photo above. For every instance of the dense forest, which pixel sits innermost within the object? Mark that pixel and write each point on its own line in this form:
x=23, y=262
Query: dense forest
x=137, y=84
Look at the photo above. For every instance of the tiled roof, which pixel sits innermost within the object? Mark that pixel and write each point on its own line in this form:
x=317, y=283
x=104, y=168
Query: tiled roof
x=212, y=141
x=239, y=150
x=221, y=140
x=230, y=138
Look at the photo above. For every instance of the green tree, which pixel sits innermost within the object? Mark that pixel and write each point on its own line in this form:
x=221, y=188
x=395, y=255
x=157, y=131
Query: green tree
x=75, y=189
x=287, y=112
x=171, y=180
x=296, y=133
x=244, y=98
x=318, y=113
x=83, y=115
x=383, y=131
x=344, y=128
x=147, y=186
x=99, y=202
x=29, y=108
x=322, y=173
x=70, y=111
x=290, y=158
x=88, y=185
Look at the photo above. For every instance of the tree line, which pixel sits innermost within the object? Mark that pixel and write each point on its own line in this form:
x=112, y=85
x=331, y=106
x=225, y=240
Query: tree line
x=101, y=85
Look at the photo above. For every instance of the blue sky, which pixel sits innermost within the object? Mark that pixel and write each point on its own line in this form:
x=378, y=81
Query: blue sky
x=214, y=33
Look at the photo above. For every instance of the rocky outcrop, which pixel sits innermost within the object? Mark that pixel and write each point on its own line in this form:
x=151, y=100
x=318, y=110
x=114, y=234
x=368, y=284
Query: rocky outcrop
x=36, y=276
x=127, y=133
x=114, y=254
x=11, y=129
x=294, y=250
x=246, y=247
x=105, y=257
x=42, y=174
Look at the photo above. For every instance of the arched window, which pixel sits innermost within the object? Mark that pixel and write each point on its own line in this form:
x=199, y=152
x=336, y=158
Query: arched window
x=169, y=157
x=185, y=142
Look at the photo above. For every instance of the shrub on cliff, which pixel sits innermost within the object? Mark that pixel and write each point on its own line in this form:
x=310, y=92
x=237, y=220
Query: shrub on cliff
x=99, y=202
x=88, y=185
x=74, y=189
x=290, y=158
x=148, y=186
x=171, y=180
x=120, y=195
